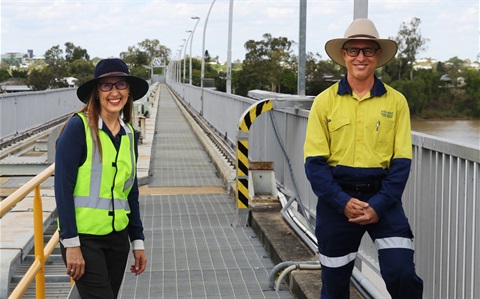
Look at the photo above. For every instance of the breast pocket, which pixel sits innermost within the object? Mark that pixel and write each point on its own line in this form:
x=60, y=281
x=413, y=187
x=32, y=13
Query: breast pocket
x=340, y=134
x=383, y=133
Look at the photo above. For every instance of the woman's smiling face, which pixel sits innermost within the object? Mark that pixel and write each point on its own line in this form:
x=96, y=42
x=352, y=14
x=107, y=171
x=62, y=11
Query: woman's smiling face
x=113, y=93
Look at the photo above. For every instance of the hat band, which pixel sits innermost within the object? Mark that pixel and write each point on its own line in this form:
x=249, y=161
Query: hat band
x=362, y=35
x=112, y=73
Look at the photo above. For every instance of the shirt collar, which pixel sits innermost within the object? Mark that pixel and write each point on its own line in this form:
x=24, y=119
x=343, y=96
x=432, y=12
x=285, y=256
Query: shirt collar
x=378, y=88
x=103, y=126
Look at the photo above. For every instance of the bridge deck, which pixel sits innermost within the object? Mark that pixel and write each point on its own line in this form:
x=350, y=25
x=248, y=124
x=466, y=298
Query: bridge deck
x=193, y=250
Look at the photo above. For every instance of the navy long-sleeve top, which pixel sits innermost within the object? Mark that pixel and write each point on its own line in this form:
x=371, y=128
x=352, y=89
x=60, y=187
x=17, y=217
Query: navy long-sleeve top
x=71, y=153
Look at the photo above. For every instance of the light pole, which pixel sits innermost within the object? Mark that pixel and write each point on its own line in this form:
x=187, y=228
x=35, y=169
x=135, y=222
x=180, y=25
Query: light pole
x=360, y=9
x=229, y=50
x=191, y=41
x=203, y=56
x=301, y=48
x=185, y=41
x=180, y=61
x=179, y=67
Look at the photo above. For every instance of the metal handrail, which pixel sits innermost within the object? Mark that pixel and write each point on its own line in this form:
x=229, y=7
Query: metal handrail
x=37, y=269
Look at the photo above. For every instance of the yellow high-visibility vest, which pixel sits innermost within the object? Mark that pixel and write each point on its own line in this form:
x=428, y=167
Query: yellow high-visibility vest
x=102, y=187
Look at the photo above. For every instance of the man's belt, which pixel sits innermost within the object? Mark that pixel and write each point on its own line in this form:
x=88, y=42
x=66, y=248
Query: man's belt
x=361, y=187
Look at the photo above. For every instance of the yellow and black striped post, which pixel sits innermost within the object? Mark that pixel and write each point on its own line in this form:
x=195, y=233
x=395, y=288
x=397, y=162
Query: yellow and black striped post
x=246, y=121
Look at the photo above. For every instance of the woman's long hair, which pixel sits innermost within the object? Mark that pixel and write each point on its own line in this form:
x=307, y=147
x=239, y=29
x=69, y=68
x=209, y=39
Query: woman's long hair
x=92, y=109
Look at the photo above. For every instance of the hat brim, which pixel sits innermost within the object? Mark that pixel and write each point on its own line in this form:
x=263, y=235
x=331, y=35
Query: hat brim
x=389, y=49
x=138, y=87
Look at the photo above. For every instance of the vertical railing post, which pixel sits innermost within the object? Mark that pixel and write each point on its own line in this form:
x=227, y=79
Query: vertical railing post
x=38, y=241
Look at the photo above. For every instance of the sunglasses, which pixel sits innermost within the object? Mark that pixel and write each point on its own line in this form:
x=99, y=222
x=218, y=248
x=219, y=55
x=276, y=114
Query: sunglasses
x=120, y=85
x=367, y=52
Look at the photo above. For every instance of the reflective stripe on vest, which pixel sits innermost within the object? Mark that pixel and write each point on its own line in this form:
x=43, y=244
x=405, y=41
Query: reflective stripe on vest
x=102, y=187
x=130, y=180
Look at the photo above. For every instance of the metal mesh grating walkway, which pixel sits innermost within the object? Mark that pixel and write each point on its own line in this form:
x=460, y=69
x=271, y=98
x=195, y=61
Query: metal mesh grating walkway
x=178, y=158
x=192, y=249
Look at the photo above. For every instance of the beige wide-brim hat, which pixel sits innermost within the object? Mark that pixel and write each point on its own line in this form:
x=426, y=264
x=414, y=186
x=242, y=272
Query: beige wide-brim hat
x=361, y=29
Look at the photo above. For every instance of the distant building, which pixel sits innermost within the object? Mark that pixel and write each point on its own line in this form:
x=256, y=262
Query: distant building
x=13, y=57
x=72, y=82
x=14, y=88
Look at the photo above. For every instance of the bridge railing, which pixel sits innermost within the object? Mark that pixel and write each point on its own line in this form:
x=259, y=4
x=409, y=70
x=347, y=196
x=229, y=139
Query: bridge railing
x=37, y=269
x=441, y=199
x=20, y=112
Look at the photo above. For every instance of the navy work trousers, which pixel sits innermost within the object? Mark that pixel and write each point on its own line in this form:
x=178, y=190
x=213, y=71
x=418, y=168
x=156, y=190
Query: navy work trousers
x=105, y=262
x=338, y=242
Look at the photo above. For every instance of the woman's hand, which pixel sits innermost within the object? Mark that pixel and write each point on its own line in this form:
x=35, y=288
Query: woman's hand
x=75, y=262
x=140, y=262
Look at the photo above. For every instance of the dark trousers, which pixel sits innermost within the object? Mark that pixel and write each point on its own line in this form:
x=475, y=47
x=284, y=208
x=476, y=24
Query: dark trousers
x=105, y=262
x=338, y=238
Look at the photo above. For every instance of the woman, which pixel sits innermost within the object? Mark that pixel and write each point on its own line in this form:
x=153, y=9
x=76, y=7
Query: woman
x=96, y=188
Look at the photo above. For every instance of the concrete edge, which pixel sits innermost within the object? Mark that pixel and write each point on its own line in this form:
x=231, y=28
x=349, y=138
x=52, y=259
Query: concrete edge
x=143, y=173
x=284, y=245
x=10, y=260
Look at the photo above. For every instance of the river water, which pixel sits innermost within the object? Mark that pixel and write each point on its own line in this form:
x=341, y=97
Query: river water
x=465, y=132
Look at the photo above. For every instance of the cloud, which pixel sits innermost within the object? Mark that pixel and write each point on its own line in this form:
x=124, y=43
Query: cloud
x=108, y=27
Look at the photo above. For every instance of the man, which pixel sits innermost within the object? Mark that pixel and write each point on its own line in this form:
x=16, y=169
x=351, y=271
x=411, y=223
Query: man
x=358, y=154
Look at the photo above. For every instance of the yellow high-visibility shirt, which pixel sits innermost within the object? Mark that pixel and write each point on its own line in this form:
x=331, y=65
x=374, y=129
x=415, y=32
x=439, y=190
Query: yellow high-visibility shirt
x=364, y=133
x=358, y=140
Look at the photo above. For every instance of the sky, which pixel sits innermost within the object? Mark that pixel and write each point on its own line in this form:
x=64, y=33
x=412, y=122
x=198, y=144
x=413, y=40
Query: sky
x=105, y=28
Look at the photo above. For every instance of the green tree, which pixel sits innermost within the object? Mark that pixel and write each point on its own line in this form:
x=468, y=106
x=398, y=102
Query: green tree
x=140, y=71
x=320, y=74
x=208, y=70
x=264, y=64
x=19, y=73
x=56, y=75
x=53, y=75
x=472, y=89
x=196, y=70
x=54, y=56
x=412, y=90
x=221, y=81
x=73, y=53
x=144, y=52
x=81, y=69
x=410, y=43
x=4, y=75
x=37, y=80
x=288, y=80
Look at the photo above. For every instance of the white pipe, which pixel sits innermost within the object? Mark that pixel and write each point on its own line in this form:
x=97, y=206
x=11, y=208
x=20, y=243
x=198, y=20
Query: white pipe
x=367, y=285
x=282, y=276
x=293, y=267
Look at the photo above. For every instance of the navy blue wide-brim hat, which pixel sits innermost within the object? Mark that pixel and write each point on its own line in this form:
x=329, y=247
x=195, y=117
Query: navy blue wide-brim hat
x=113, y=67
